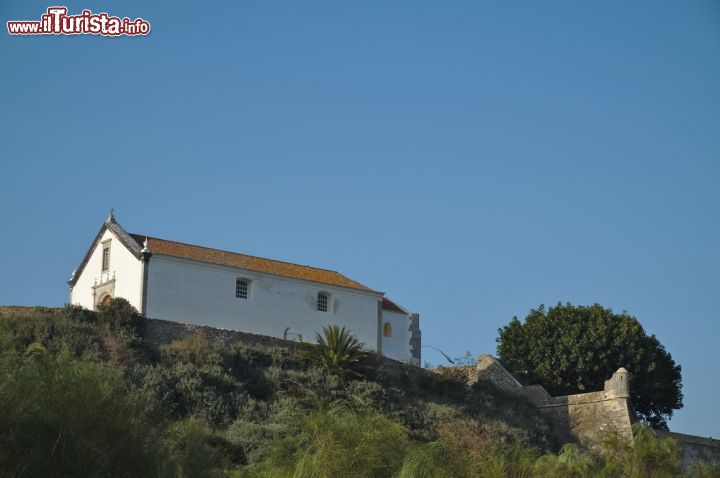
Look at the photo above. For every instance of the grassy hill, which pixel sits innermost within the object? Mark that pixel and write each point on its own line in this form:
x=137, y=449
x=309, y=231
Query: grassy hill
x=83, y=394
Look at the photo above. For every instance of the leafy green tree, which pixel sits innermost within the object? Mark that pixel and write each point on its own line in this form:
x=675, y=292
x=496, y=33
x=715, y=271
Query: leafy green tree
x=338, y=351
x=574, y=349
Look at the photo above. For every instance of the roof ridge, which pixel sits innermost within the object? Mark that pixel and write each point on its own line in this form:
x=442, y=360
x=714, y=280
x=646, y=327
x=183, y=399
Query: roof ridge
x=238, y=253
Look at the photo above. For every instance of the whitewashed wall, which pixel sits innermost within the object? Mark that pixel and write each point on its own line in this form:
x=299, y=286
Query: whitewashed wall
x=123, y=265
x=204, y=294
x=398, y=345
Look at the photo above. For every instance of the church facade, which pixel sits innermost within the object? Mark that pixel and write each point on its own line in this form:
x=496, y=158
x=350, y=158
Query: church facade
x=193, y=284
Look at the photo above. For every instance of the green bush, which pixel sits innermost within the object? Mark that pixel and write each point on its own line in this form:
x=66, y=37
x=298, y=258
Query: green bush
x=572, y=462
x=193, y=349
x=195, y=378
x=193, y=451
x=186, y=389
x=436, y=460
x=78, y=314
x=703, y=470
x=68, y=417
x=338, y=352
x=254, y=439
x=648, y=457
x=121, y=317
x=72, y=329
x=337, y=442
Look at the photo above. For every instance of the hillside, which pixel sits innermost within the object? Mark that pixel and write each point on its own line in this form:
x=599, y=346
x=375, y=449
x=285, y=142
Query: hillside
x=88, y=394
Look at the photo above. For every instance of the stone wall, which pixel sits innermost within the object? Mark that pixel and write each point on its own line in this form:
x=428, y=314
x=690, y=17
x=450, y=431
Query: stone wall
x=576, y=418
x=487, y=368
x=580, y=417
x=158, y=332
x=695, y=448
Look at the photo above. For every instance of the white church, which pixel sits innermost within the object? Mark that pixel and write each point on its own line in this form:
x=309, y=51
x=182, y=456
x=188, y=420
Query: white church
x=197, y=285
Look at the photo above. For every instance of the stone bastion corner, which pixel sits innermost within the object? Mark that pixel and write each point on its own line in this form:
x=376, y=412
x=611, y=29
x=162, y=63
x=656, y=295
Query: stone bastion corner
x=583, y=417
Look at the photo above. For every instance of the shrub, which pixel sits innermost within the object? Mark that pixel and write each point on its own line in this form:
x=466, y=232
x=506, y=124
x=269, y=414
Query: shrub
x=68, y=417
x=648, y=457
x=193, y=349
x=56, y=332
x=450, y=379
x=78, y=314
x=507, y=461
x=436, y=460
x=338, y=351
x=278, y=355
x=337, y=442
x=193, y=451
x=255, y=436
x=186, y=389
x=120, y=316
x=703, y=470
x=572, y=462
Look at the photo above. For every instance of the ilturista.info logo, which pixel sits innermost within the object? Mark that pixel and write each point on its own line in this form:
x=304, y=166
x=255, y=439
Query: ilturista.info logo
x=56, y=21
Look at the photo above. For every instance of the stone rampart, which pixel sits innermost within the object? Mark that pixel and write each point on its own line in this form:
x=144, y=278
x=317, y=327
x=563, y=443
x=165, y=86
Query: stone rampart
x=582, y=417
x=695, y=448
x=577, y=418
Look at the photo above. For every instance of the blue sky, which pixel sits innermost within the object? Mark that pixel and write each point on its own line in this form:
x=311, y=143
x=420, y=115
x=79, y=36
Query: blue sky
x=471, y=159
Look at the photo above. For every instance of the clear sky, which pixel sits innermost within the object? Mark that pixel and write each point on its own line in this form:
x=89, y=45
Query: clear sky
x=471, y=159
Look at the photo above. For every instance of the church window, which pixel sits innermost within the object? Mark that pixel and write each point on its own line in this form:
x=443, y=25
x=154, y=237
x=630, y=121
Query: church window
x=387, y=330
x=322, y=302
x=106, y=258
x=241, y=288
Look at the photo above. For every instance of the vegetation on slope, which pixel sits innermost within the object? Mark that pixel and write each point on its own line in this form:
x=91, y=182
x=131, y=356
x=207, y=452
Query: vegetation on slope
x=82, y=395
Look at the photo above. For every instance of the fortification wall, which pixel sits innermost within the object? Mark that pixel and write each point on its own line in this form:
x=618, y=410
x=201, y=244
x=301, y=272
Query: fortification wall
x=695, y=448
x=581, y=417
x=576, y=418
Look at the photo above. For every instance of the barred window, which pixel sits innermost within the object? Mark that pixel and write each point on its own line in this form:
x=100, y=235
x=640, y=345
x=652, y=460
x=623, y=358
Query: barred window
x=322, y=302
x=106, y=258
x=241, y=288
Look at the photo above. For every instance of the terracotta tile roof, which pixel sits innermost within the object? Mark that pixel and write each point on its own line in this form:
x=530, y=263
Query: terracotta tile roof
x=387, y=304
x=242, y=261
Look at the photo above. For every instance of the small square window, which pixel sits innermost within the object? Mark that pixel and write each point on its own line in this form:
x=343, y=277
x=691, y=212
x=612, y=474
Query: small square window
x=241, y=289
x=106, y=259
x=322, y=302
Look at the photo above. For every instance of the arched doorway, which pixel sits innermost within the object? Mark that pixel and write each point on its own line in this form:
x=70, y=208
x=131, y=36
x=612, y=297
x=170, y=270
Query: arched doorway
x=106, y=300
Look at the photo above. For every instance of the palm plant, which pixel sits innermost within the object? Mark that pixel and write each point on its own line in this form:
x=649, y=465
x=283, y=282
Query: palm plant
x=338, y=351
